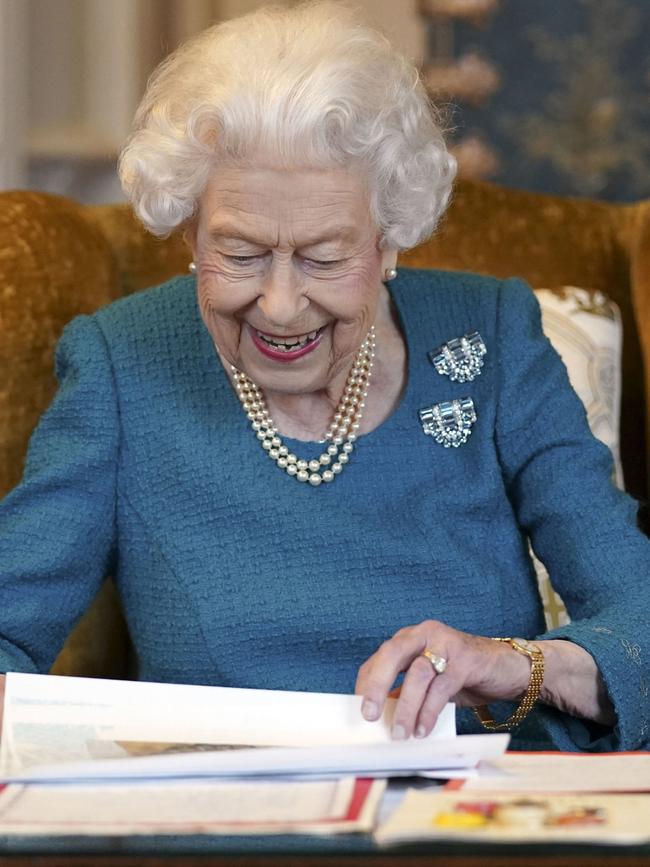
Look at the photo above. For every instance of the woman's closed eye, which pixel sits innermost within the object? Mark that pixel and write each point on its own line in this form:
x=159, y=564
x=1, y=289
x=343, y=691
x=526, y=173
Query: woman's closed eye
x=241, y=260
x=323, y=264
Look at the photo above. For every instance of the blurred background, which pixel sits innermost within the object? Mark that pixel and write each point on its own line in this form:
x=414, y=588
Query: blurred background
x=547, y=95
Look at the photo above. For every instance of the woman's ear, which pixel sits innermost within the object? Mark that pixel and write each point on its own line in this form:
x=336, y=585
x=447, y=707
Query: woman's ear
x=189, y=235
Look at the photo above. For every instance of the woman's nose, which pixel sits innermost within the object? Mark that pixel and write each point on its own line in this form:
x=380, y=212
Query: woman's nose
x=282, y=299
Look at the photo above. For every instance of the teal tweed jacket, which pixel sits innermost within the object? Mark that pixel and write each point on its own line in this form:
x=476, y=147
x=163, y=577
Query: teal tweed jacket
x=232, y=573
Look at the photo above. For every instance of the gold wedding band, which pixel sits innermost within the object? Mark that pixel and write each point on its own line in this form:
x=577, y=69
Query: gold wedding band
x=439, y=663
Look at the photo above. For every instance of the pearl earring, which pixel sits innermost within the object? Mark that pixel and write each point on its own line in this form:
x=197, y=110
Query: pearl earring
x=192, y=267
x=390, y=273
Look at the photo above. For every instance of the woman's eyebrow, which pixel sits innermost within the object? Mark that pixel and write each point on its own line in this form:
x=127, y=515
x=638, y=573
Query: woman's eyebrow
x=227, y=231
x=341, y=233
x=230, y=231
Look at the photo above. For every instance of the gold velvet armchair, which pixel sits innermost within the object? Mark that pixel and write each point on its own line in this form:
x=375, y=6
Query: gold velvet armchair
x=59, y=259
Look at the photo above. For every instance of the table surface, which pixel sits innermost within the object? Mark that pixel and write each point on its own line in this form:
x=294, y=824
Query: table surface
x=300, y=851
x=441, y=856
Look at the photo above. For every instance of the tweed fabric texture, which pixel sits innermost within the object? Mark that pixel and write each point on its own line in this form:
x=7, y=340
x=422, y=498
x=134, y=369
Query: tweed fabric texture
x=232, y=573
x=558, y=241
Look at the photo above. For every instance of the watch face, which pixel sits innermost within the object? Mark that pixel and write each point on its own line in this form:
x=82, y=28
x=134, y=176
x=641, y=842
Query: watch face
x=526, y=645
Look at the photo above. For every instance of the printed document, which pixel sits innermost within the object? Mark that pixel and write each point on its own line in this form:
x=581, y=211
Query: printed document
x=61, y=728
x=498, y=817
x=191, y=807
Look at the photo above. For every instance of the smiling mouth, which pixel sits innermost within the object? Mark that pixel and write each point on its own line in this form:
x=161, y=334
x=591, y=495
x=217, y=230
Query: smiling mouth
x=291, y=343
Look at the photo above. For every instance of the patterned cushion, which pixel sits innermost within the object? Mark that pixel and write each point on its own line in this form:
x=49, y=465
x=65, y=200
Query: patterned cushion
x=585, y=328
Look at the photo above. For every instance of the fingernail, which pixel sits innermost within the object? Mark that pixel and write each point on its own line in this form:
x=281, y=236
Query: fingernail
x=369, y=710
x=398, y=732
x=420, y=732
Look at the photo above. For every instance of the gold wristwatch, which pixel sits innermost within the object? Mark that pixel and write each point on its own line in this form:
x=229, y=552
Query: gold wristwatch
x=531, y=695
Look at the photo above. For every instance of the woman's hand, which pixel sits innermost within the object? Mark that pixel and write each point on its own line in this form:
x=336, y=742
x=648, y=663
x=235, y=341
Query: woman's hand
x=478, y=671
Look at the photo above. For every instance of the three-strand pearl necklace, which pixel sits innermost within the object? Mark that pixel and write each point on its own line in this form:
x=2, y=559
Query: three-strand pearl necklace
x=340, y=435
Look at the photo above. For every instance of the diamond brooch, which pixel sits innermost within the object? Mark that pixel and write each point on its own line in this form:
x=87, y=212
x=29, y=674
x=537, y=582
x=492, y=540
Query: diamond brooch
x=450, y=422
x=461, y=358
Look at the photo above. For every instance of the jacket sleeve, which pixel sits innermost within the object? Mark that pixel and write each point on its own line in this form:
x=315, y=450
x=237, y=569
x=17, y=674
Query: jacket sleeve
x=57, y=527
x=583, y=529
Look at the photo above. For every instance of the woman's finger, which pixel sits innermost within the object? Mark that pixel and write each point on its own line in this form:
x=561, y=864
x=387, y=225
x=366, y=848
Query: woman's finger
x=377, y=675
x=442, y=690
x=417, y=683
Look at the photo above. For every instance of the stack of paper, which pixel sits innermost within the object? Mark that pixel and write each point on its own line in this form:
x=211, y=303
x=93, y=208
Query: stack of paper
x=127, y=737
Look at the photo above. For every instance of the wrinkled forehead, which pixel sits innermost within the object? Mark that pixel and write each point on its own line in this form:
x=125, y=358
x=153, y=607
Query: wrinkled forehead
x=316, y=204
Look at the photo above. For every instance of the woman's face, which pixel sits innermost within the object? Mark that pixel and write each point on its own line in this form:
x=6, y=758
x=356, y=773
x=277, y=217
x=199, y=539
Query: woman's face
x=289, y=272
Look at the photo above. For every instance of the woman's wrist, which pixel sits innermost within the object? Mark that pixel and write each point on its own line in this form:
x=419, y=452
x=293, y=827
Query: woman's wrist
x=573, y=683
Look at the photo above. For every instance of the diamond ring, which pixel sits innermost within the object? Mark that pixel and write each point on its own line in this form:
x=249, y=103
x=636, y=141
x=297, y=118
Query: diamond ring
x=439, y=663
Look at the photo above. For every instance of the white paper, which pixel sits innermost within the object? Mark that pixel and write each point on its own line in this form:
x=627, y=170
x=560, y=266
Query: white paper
x=177, y=807
x=64, y=719
x=563, y=772
x=65, y=729
x=373, y=759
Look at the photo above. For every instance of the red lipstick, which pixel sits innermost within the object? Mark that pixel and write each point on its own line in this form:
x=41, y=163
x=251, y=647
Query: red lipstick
x=284, y=354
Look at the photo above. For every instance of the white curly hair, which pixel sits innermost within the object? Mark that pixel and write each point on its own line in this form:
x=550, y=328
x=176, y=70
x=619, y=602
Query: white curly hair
x=308, y=86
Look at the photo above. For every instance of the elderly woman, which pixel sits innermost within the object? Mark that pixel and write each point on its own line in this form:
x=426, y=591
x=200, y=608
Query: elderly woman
x=304, y=470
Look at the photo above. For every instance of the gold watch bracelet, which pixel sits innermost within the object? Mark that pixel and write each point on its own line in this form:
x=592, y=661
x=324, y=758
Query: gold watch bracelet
x=530, y=697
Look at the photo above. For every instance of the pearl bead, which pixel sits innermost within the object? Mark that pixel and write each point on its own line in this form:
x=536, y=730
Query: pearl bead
x=343, y=459
x=337, y=441
x=347, y=448
x=324, y=460
x=336, y=468
x=314, y=465
x=284, y=451
x=315, y=480
x=291, y=459
x=291, y=469
x=277, y=442
x=275, y=454
x=266, y=444
x=302, y=465
x=302, y=475
x=261, y=435
x=328, y=476
x=332, y=450
x=251, y=416
x=282, y=463
x=352, y=437
x=256, y=425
